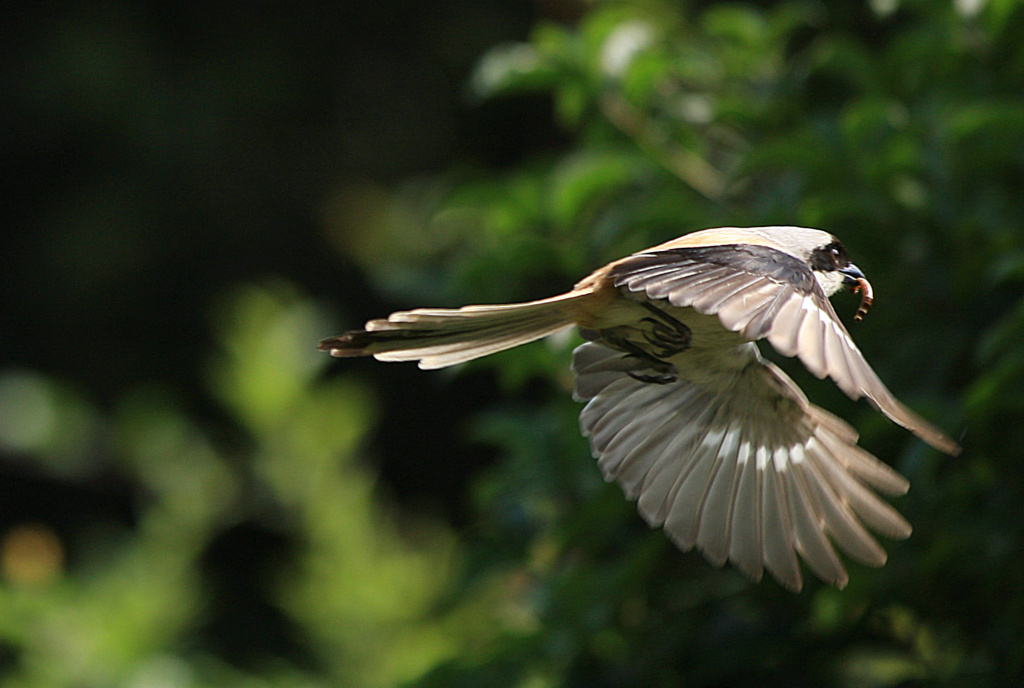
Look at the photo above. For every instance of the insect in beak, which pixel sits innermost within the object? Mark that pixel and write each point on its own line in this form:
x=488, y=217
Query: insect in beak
x=855, y=281
x=867, y=297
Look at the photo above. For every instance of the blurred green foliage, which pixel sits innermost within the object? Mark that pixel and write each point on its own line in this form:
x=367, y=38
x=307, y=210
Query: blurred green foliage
x=898, y=126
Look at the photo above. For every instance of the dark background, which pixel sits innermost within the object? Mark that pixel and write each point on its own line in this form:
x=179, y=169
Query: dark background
x=195, y=194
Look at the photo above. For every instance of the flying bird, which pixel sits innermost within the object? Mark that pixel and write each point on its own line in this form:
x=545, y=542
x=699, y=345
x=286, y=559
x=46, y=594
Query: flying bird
x=716, y=444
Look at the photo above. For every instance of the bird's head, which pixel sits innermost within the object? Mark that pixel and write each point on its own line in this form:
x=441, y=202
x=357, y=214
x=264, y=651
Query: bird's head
x=825, y=254
x=828, y=259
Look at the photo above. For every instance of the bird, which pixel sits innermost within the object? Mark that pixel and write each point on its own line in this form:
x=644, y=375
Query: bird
x=715, y=443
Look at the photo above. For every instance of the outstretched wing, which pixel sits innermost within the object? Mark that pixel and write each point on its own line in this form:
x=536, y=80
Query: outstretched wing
x=763, y=293
x=743, y=468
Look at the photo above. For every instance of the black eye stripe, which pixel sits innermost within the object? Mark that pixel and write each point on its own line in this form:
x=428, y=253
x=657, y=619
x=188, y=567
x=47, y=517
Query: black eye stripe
x=830, y=257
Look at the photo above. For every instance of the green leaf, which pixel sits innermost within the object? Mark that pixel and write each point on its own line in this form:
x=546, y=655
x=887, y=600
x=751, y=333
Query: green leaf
x=511, y=68
x=580, y=184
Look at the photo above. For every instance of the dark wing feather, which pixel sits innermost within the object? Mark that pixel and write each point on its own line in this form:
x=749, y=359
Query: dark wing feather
x=764, y=293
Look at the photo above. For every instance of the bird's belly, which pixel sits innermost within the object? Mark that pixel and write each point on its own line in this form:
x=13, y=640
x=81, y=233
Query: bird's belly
x=633, y=318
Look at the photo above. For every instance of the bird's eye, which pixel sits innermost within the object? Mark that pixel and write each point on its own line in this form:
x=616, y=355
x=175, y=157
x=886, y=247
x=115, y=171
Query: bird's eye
x=839, y=258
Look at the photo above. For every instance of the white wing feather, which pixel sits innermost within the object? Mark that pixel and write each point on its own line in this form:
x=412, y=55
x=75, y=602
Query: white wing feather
x=742, y=468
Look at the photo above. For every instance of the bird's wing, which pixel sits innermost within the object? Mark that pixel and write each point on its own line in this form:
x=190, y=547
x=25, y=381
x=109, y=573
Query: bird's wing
x=763, y=293
x=739, y=465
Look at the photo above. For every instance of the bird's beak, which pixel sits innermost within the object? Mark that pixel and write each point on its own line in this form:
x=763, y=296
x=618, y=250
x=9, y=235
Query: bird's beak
x=852, y=277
